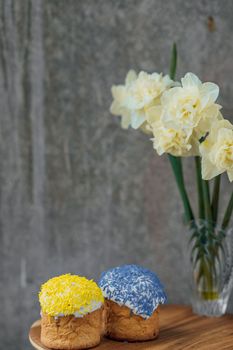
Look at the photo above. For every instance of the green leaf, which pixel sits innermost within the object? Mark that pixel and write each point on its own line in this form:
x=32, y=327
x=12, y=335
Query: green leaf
x=195, y=247
x=193, y=236
x=198, y=257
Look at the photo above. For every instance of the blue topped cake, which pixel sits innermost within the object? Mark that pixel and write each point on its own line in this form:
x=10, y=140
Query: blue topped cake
x=132, y=296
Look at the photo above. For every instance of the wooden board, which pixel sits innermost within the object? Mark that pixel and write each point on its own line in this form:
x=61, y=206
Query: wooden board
x=179, y=329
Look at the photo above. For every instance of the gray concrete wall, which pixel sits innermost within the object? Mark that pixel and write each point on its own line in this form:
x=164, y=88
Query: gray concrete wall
x=78, y=193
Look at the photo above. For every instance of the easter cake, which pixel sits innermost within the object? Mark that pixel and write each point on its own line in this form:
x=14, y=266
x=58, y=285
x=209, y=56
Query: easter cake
x=71, y=313
x=132, y=296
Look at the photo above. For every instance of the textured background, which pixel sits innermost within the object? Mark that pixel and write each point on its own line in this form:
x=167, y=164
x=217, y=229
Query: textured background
x=77, y=193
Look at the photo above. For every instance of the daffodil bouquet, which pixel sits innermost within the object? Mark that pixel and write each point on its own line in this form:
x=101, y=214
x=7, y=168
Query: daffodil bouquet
x=183, y=119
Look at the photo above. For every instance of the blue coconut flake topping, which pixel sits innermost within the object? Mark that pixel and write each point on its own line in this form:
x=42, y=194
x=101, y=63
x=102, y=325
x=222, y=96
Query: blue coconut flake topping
x=135, y=287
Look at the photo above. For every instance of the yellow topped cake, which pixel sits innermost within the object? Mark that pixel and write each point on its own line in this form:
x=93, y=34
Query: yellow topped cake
x=70, y=295
x=71, y=312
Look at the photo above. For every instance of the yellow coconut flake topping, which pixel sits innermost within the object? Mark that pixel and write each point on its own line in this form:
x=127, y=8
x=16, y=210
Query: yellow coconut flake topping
x=69, y=295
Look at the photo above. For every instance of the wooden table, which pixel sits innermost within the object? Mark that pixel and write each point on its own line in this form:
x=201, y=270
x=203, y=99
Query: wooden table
x=179, y=329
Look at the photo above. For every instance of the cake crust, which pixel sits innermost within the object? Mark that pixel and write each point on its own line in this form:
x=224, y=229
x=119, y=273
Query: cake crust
x=123, y=325
x=69, y=332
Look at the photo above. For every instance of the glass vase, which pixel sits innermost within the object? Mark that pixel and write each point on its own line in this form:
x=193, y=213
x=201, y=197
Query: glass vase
x=210, y=268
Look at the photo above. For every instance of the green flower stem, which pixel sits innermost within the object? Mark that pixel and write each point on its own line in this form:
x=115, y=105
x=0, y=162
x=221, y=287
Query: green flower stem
x=200, y=188
x=173, y=62
x=206, y=266
x=215, y=198
x=206, y=196
x=228, y=213
x=208, y=278
x=178, y=172
x=176, y=161
x=207, y=263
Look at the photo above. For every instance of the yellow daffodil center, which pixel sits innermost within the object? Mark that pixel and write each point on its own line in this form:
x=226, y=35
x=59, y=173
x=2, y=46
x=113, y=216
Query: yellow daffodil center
x=224, y=156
